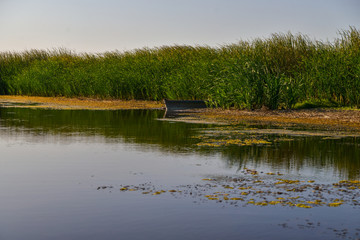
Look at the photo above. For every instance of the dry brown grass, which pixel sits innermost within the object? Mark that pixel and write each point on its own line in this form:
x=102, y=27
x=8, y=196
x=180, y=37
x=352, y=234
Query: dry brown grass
x=323, y=118
x=79, y=103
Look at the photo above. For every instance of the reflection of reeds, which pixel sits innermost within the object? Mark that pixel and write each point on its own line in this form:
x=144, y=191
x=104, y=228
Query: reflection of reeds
x=140, y=127
x=339, y=155
x=280, y=71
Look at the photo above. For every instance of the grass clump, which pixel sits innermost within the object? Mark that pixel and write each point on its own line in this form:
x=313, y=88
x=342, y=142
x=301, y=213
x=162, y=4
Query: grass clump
x=278, y=72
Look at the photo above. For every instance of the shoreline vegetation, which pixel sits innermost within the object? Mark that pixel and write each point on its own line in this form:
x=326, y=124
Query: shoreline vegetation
x=329, y=119
x=284, y=71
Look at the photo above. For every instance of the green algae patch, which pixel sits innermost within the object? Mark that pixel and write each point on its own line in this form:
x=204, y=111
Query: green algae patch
x=229, y=136
x=227, y=142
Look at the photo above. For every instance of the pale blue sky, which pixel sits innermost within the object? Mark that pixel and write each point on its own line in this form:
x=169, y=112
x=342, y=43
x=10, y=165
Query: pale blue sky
x=105, y=25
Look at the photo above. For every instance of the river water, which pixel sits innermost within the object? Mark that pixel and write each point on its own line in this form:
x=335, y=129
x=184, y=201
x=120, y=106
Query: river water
x=130, y=174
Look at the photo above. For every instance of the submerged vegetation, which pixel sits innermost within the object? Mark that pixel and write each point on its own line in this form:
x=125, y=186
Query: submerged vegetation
x=278, y=72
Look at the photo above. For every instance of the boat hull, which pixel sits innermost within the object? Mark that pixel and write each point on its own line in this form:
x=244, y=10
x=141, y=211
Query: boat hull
x=174, y=105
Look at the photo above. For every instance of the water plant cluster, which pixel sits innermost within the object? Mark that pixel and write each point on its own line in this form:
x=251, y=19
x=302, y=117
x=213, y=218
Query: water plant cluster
x=259, y=189
x=277, y=72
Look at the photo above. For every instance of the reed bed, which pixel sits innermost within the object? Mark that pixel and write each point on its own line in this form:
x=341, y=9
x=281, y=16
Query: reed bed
x=278, y=72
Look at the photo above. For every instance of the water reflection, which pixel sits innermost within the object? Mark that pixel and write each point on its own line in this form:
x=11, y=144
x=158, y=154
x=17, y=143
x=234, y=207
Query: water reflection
x=133, y=126
x=338, y=157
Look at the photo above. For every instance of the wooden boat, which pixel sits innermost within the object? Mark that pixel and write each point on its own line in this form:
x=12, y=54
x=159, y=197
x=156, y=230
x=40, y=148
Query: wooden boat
x=174, y=105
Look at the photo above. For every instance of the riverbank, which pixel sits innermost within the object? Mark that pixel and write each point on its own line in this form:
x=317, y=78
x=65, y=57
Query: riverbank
x=76, y=103
x=317, y=118
x=331, y=119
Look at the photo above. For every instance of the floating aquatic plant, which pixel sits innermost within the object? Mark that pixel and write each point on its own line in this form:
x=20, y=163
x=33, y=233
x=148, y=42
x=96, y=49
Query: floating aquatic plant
x=269, y=191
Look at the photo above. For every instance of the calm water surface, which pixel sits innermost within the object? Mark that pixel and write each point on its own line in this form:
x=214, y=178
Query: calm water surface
x=61, y=174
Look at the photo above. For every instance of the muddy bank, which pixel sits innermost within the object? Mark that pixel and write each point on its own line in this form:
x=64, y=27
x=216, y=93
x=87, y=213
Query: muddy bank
x=76, y=103
x=325, y=119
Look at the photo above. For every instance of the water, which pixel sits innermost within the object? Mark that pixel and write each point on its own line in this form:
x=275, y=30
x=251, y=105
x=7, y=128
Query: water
x=61, y=174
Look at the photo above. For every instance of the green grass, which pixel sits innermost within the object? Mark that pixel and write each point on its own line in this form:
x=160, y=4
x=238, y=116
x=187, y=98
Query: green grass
x=316, y=104
x=278, y=72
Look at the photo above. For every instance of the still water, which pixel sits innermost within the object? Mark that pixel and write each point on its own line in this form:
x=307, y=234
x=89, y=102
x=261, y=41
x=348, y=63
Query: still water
x=61, y=172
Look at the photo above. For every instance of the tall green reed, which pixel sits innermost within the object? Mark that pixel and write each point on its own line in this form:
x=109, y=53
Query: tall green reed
x=277, y=72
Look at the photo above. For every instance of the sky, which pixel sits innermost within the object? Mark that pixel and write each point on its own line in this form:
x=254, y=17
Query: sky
x=108, y=25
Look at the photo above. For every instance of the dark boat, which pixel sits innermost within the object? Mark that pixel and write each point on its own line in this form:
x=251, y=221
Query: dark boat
x=174, y=105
